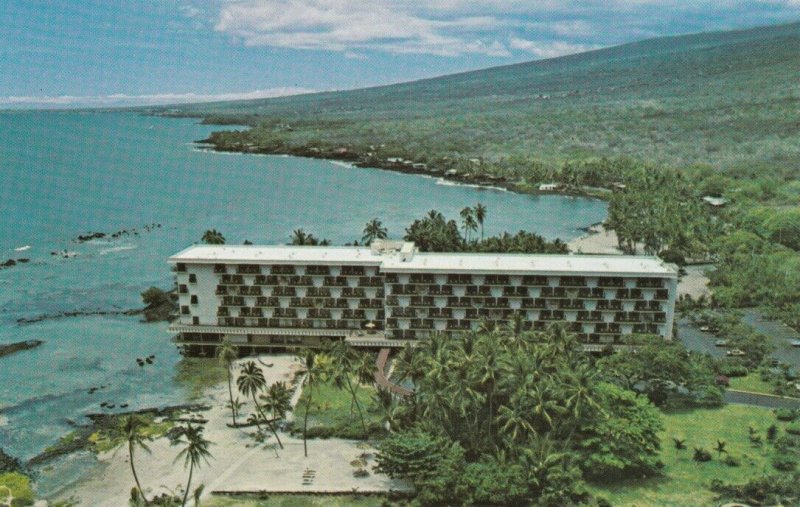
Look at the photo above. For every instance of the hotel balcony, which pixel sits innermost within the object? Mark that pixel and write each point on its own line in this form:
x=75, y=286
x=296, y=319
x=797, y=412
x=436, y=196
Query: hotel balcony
x=282, y=269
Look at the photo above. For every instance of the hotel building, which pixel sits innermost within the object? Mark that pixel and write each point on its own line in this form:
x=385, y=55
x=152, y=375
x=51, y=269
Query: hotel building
x=384, y=295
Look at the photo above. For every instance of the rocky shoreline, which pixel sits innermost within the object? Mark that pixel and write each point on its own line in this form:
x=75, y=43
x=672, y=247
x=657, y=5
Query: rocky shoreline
x=406, y=167
x=11, y=348
x=79, y=439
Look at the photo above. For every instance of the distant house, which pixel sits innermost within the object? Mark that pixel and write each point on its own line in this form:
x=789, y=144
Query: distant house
x=394, y=160
x=451, y=172
x=419, y=165
x=716, y=202
x=618, y=186
x=549, y=187
x=475, y=161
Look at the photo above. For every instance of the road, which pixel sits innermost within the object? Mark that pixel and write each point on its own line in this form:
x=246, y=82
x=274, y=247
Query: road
x=780, y=334
x=760, y=400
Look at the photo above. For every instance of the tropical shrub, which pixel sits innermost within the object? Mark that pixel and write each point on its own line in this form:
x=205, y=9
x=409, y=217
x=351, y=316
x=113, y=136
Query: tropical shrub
x=784, y=462
x=786, y=414
x=20, y=487
x=701, y=455
x=793, y=428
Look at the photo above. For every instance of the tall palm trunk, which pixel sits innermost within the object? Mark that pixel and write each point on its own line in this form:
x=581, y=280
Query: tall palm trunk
x=135, y=476
x=188, y=484
x=230, y=394
x=269, y=423
x=305, y=422
x=358, y=405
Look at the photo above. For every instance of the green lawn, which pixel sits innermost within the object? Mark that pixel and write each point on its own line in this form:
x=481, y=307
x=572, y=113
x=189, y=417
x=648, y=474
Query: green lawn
x=296, y=501
x=331, y=407
x=752, y=383
x=685, y=482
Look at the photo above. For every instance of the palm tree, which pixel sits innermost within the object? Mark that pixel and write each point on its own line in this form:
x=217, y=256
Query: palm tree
x=227, y=353
x=195, y=452
x=277, y=399
x=130, y=428
x=250, y=382
x=343, y=362
x=409, y=365
x=213, y=237
x=386, y=404
x=721, y=444
x=300, y=237
x=467, y=219
x=373, y=230
x=480, y=216
x=311, y=368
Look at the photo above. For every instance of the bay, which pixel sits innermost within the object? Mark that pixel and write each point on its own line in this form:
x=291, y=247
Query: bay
x=63, y=174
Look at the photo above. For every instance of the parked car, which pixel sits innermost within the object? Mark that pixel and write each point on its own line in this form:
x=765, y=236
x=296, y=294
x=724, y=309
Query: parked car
x=736, y=352
x=721, y=343
x=705, y=329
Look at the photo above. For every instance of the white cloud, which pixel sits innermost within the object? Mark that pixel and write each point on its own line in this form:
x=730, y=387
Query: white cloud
x=500, y=28
x=121, y=99
x=348, y=25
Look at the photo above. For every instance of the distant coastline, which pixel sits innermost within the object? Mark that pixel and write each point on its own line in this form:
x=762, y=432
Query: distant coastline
x=475, y=179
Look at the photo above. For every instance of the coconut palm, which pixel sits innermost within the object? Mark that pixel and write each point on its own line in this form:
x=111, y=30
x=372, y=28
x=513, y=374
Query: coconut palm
x=131, y=428
x=227, y=353
x=277, y=399
x=409, y=365
x=343, y=361
x=480, y=216
x=373, y=230
x=387, y=406
x=468, y=222
x=195, y=452
x=300, y=237
x=213, y=237
x=250, y=383
x=312, y=370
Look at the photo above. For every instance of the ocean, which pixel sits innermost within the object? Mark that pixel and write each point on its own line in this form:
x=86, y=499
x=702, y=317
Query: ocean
x=64, y=174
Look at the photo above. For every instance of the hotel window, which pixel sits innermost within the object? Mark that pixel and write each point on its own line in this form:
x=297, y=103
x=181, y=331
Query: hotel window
x=196, y=321
x=184, y=310
x=192, y=278
x=193, y=299
x=181, y=267
x=183, y=289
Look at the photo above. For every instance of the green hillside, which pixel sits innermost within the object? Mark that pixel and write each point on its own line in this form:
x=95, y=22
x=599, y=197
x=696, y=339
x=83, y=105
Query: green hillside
x=726, y=99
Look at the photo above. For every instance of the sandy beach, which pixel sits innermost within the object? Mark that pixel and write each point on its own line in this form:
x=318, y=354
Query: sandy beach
x=238, y=464
x=597, y=240
x=600, y=241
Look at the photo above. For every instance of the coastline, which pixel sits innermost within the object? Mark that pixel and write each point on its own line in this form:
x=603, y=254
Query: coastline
x=352, y=159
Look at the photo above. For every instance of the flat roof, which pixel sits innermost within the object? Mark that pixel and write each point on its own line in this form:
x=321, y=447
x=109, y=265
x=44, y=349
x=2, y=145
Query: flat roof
x=569, y=264
x=276, y=254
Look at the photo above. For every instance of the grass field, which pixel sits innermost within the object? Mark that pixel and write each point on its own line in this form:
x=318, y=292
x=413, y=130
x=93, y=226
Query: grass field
x=752, y=383
x=685, y=482
x=296, y=501
x=331, y=407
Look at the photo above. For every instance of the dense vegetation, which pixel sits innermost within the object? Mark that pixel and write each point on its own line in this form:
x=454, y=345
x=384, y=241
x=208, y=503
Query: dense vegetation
x=728, y=99
x=504, y=418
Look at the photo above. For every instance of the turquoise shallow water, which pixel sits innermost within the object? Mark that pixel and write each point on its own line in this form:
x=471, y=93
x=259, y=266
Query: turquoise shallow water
x=64, y=174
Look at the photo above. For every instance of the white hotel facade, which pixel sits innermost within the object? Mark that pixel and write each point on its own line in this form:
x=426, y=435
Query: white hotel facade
x=264, y=297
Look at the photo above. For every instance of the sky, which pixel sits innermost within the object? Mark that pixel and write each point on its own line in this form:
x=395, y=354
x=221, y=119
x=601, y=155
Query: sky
x=70, y=53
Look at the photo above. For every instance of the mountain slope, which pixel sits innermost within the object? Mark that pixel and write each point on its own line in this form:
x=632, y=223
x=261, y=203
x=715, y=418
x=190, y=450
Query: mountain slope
x=727, y=98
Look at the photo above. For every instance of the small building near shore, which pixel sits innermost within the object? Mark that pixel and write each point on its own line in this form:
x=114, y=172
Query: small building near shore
x=550, y=187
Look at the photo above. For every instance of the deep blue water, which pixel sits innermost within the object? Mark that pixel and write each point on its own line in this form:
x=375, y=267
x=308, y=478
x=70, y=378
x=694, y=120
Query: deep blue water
x=64, y=174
